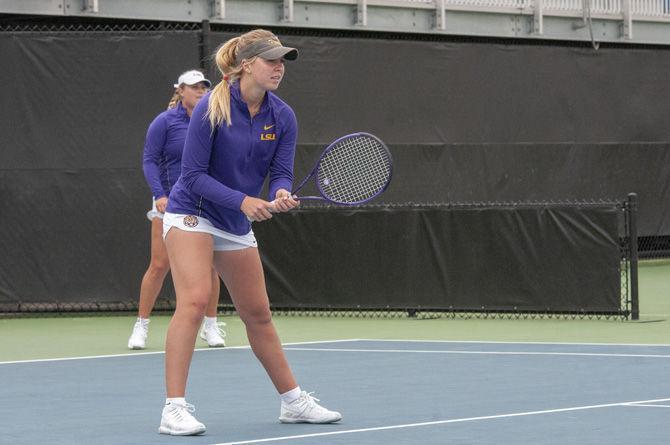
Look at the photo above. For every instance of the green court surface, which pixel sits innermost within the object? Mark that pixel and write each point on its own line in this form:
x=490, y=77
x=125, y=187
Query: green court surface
x=61, y=336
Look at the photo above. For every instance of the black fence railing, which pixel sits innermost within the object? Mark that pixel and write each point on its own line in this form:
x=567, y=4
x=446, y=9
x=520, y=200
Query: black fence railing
x=65, y=25
x=462, y=260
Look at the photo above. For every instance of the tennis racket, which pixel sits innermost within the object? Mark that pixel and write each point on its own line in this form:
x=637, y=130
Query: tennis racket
x=352, y=170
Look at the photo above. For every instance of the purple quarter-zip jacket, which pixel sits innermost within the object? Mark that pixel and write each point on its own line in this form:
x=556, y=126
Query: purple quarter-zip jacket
x=221, y=167
x=162, y=150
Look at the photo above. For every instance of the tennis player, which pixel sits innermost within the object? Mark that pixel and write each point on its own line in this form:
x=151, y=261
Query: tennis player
x=162, y=165
x=239, y=134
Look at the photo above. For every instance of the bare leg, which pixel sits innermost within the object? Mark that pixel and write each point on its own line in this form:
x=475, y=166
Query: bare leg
x=242, y=273
x=191, y=260
x=213, y=304
x=155, y=274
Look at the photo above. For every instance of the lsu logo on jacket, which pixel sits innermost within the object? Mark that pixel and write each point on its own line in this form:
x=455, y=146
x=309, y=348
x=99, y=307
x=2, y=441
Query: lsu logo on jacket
x=268, y=136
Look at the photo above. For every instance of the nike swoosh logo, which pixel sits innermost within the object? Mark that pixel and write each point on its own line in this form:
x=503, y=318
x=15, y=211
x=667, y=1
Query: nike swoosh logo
x=267, y=127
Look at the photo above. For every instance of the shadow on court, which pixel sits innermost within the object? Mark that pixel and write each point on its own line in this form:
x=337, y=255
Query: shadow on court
x=389, y=392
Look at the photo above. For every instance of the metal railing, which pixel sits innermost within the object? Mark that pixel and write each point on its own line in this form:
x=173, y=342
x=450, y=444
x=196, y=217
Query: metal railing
x=490, y=18
x=639, y=8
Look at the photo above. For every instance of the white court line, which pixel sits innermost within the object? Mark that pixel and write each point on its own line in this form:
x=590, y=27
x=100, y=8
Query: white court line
x=650, y=406
x=418, y=351
x=137, y=354
x=513, y=342
x=442, y=422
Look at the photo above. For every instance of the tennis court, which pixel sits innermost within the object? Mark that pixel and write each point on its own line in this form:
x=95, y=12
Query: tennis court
x=470, y=381
x=482, y=255
x=391, y=391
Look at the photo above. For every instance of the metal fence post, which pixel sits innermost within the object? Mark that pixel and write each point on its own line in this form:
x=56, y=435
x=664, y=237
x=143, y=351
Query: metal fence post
x=205, y=48
x=632, y=239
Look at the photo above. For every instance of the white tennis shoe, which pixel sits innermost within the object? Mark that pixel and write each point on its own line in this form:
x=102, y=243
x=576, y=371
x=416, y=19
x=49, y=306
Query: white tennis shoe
x=138, y=338
x=177, y=420
x=213, y=334
x=305, y=410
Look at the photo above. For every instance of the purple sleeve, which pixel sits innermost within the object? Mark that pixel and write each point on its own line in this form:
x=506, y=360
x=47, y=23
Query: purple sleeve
x=281, y=168
x=153, y=154
x=195, y=162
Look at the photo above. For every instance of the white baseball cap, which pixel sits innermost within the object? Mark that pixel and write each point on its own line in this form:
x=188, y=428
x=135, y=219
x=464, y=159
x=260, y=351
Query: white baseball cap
x=191, y=78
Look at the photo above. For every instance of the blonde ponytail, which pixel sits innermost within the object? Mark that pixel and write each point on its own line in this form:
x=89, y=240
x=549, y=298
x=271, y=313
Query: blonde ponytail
x=218, y=109
x=175, y=99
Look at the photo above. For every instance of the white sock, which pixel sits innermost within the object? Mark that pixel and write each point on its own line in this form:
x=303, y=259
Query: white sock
x=291, y=396
x=143, y=321
x=175, y=400
x=210, y=321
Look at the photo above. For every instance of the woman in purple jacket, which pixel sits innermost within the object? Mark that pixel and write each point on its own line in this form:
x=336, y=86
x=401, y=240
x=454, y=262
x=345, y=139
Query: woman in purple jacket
x=162, y=166
x=239, y=134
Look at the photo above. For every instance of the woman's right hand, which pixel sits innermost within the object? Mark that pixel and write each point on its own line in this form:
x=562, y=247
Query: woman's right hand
x=256, y=209
x=161, y=204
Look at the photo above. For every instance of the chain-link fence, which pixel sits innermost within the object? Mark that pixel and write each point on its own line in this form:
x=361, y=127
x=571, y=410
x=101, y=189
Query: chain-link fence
x=648, y=247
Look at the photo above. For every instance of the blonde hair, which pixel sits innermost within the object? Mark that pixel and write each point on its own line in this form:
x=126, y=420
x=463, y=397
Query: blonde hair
x=176, y=97
x=225, y=57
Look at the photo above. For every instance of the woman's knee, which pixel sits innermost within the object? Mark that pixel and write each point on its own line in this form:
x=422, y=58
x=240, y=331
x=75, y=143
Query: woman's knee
x=192, y=311
x=260, y=315
x=192, y=306
x=159, y=267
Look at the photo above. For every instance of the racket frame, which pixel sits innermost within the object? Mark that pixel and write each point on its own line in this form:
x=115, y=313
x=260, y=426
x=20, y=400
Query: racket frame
x=328, y=149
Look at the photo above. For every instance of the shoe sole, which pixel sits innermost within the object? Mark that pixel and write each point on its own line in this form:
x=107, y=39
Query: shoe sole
x=289, y=420
x=166, y=430
x=135, y=348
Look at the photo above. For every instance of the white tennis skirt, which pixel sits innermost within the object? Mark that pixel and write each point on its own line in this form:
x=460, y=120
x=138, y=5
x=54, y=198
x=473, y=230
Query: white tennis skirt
x=154, y=213
x=222, y=239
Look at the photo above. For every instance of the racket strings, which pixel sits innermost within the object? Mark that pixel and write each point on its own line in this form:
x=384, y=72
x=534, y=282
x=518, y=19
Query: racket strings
x=368, y=170
x=355, y=170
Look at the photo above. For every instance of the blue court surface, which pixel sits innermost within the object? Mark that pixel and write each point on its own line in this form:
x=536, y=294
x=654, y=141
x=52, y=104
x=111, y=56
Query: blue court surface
x=389, y=392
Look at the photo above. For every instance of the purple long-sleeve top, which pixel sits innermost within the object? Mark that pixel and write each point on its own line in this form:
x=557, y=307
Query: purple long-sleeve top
x=163, y=148
x=221, y=167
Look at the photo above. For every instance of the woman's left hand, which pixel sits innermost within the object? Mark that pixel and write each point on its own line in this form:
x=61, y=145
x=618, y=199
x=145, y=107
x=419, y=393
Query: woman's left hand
x=284, y=201
x=161, y=204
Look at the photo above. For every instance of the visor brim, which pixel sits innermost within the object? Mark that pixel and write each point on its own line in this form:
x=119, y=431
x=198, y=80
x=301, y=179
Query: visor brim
x=279, y=52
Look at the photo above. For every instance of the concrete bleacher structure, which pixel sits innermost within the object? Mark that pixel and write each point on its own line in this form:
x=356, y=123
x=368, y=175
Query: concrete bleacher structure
x=621, y=21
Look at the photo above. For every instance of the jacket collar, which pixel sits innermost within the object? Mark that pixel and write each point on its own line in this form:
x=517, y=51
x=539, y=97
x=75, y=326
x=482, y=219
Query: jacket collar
x=236, y=95
x=181, y=111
